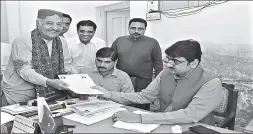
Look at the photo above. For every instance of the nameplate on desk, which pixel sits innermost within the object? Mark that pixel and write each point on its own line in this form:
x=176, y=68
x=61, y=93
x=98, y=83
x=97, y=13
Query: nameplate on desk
x=23, y=125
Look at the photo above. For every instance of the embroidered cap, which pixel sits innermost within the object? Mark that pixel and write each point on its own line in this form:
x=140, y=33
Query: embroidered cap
x=43, y=13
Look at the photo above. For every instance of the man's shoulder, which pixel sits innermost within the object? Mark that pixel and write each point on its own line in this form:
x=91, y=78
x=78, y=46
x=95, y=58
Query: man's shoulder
x=123, y=37
x=97, y=40
x=209, y=75
x=150, y=39
x=25, y=38
x=121, y=73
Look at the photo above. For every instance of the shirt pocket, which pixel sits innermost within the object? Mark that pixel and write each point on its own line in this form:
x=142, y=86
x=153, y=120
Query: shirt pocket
x=114, y=85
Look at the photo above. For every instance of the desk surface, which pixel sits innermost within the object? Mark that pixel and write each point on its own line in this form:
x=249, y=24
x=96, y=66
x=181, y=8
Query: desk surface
x=105, y=126
x=249, y=127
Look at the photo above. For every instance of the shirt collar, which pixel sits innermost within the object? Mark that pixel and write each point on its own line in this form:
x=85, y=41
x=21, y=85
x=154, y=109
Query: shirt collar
x=91, y=41
x=190, y=74
x=131, y=38
x=47, y=41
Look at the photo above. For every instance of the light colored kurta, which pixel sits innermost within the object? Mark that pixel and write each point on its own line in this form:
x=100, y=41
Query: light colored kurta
x=205, y=101
x=18, y=86
x=83, y=56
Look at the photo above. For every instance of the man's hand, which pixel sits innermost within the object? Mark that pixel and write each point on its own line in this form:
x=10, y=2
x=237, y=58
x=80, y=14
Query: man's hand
x=126, y=116
x=58, y=84
x=107, y=94
x=68, y=72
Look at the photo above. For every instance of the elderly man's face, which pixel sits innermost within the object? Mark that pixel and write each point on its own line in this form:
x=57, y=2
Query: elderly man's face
x=50, y=27
x=136, y=29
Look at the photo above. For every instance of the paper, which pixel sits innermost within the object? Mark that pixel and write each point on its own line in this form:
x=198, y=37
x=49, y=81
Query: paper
x=90, y=108
x=176, y=129
x=80, y=83
x=5, y=117
x=88, y=120
x=23, y=125
x=17, y=109
x=139, y=127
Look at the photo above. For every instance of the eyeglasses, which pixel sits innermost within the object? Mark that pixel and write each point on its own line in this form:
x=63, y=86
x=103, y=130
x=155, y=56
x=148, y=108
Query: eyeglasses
x=175, y=61
x=139, y=29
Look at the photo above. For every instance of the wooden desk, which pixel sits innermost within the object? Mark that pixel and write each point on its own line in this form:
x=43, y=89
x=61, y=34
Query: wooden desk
x=105, y=126
x=249, y=127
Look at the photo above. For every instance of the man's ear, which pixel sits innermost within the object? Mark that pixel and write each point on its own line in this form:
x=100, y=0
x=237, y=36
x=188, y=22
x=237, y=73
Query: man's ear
x=194, y=63
x=38, y=23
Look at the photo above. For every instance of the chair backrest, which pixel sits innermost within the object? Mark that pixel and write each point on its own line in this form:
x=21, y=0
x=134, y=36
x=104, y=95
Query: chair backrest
x=230, y=112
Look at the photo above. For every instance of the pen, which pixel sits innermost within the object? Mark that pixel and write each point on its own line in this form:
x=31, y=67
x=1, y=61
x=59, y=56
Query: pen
x=70, y=126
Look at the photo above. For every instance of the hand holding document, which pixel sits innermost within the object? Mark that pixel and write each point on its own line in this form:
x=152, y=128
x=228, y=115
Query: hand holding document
x=139, y=127
x=80, y=83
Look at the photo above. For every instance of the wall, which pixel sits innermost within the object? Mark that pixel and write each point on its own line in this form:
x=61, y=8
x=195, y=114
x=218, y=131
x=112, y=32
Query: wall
x=25, y=13
x=228, y=23
x=4, y=24
x=225, y=34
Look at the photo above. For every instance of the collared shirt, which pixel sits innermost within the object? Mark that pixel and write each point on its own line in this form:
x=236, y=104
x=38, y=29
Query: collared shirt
x=19, y=87
x=83, y=56
x=138, y=57
x=118, y=81
x=203, y=102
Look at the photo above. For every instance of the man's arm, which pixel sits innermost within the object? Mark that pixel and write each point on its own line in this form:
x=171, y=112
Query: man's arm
x=145, y=96
x=203, y=103
x=157, y=58
x=127, y=86
x=22, y=57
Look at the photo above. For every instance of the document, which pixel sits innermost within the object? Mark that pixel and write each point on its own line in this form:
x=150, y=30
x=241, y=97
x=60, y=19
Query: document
x=18, y=109
x=139, y=127
x=80, y=83
x=99, y=116
x=23, y=125
x=5, y=117
x=93, y=107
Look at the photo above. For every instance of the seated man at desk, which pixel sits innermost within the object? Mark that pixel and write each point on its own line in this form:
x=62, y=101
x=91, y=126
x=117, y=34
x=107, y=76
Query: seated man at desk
x=186, y=92
x=36, y=60
x=106, y=75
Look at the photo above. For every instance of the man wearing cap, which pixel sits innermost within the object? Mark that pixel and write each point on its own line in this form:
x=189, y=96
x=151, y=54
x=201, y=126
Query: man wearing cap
x=36, y=60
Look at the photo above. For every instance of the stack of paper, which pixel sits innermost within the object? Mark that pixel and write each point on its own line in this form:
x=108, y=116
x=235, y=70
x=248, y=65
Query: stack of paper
x=139, y=127
x=18, y=109
x=80, y=83
x=93, y=111
x=88, y=120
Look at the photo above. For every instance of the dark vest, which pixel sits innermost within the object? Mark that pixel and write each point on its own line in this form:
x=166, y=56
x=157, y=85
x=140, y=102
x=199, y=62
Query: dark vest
x=181, y=92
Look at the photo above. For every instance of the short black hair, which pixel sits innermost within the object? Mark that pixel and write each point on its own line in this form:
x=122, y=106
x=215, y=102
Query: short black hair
x=67, y=16
x=189, y=49
x=107, y=52
x=86, y=23
x=138, y=20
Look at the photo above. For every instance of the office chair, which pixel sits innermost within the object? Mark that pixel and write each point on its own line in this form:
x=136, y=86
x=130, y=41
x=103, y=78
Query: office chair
x=225, y=114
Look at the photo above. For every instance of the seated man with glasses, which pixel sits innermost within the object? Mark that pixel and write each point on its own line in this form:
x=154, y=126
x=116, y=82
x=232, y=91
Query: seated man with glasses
x=186, y=92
